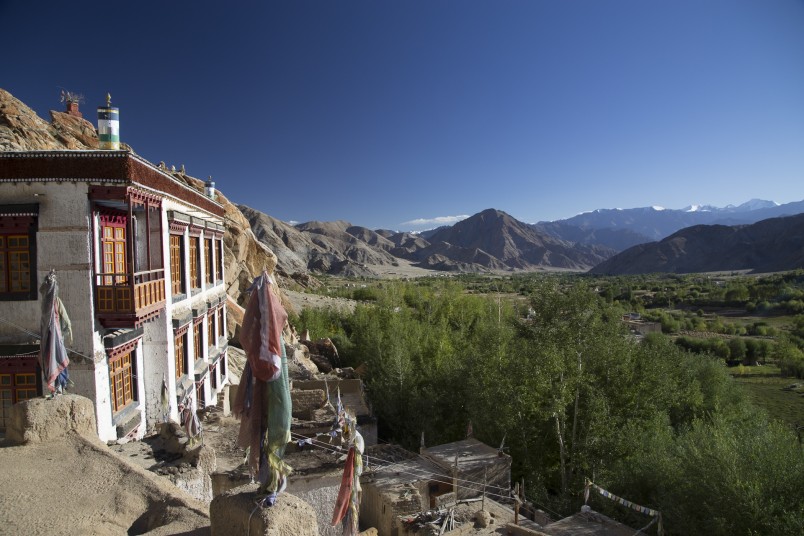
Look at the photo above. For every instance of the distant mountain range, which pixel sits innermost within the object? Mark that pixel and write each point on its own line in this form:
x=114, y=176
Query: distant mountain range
x=771, y=245
x=628, y=227
x=488, y=241
x=492, y=240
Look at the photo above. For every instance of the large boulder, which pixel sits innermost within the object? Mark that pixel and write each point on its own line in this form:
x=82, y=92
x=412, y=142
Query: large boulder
x=233, y=512
x=40, y=419
x=323, y=353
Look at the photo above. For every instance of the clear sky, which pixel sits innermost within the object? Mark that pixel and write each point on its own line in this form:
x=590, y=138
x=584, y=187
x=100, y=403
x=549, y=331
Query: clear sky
x=383, y=112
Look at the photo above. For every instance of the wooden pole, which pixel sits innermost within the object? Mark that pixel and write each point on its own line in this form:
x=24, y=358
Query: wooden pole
x=485, y=476
x=455, y=478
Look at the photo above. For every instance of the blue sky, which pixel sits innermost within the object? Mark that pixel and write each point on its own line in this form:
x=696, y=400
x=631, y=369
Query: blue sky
x=385, y=112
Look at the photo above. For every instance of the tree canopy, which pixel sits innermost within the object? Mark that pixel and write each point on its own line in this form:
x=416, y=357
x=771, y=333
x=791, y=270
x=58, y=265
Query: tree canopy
x=575, y=397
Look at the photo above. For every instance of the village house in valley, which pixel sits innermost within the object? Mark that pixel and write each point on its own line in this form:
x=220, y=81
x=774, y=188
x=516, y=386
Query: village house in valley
x=138, y=256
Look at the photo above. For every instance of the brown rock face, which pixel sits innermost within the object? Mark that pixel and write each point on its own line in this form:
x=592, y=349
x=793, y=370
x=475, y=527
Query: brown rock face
x=22, y=130
x=245, y=256
x=74, y=132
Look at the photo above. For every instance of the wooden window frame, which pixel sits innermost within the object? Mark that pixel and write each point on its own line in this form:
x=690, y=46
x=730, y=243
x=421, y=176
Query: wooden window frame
x=177, y=264
x=212, y=340
x=219, y=264
x=221, y=323
x=180, y=352
x=114, y=249
x=200, y=394
x=209, y=251
x=16, y=227
x=122, y=385
x=195, y=264
x=198, y=348
x=213, y=376
x=6, y=401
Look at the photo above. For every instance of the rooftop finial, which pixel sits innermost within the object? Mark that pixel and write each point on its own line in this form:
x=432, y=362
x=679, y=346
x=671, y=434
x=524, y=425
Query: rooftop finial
x=209, y=188
x=108, y=99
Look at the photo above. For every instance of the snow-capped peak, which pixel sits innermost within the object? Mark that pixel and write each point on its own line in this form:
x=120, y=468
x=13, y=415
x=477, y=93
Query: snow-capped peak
x=657, y=208
x=756, y=204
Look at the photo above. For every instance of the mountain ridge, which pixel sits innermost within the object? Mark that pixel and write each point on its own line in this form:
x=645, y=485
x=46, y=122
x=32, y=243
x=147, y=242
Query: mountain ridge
x=490, y=241
x=656, y=224
x=774, y=244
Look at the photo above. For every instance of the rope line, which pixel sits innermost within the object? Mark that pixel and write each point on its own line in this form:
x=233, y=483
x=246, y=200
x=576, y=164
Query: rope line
x=443, y=475
x=336, y=449
x=655, y=514
x=415, y=472
x=39, y=336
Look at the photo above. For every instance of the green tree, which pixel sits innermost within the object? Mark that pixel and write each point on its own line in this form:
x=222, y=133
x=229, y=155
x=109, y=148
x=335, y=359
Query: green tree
x=737, y=348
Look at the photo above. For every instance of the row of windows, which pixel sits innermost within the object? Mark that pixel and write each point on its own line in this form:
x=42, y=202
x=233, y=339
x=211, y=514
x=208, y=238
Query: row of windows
x=18, y=250
x=122, y=379
x=212, y=257
x=215, y=330
x=122, y=375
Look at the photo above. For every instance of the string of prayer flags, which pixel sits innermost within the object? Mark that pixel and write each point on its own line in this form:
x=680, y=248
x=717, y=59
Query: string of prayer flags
x=633, y=506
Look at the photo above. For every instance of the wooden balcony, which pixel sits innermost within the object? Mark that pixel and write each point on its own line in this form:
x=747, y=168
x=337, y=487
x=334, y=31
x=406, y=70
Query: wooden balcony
x=123, y=300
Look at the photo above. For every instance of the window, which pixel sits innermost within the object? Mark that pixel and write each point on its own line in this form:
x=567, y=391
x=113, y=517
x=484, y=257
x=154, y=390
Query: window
x=223, y=365
x=113, y=245
x=201, y=394
x=15, y=263
x=219, y=264
x=180, y=351
x=211, y=338
x=198, y=354
x=18, y=252
x=22, y=388
x=195, y=272
x=176, y=264
x=213, y=376
x=210, y=250
x=5, y=400
x=121, y=380
x=221, y=323
x=26, y=386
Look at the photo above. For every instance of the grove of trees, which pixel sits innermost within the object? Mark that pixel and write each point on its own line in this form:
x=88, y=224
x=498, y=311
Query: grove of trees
x=574, y=397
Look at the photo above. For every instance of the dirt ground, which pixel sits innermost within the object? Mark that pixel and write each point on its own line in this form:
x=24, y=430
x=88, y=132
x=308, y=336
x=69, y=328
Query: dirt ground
x=77, y=486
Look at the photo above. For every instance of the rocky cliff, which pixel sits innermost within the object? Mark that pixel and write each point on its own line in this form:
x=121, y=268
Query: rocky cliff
x=22, y=130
